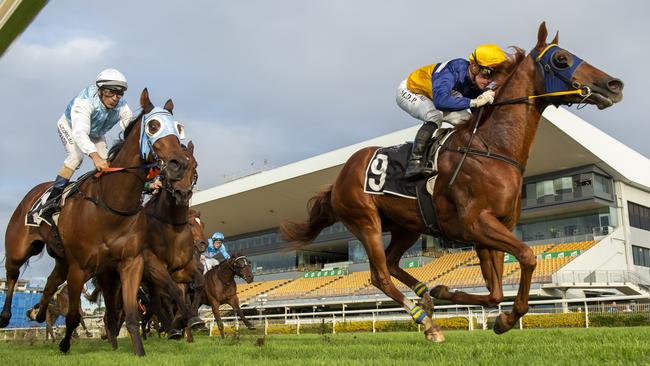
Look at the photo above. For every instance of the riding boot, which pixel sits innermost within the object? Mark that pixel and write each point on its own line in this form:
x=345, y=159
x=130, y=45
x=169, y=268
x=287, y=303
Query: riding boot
x=416, y=167
x=50, y=206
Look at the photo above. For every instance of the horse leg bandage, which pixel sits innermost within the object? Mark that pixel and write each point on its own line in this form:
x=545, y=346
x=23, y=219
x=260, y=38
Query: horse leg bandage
x=418, y=314
x=420, y=289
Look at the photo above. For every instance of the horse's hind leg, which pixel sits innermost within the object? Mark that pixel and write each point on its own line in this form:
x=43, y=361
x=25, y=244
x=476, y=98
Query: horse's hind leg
x=492, y=269
x=368, y=231
x=401, y=240
x=18, y=251
x=234, y=303
x=54, y=280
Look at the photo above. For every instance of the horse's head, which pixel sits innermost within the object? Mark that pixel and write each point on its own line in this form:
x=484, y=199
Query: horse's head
x=198, y=233
x=561, y=70
x=242, y=267
x=181, y=189
x=160, y=138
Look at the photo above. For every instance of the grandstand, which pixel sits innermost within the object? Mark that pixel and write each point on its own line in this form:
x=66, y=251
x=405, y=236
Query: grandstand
x=585, y=214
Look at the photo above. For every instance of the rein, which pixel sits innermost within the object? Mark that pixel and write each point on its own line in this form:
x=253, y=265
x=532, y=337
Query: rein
x=578, y=89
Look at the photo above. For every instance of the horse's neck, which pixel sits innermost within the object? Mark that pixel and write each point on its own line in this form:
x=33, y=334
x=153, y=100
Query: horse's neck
x=510, y=129
x=126, y=188
x=166, y=208
x=225, y=274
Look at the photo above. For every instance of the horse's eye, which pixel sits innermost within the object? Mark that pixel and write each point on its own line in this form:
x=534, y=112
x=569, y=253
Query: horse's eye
x=561, y=60
x=153, y=127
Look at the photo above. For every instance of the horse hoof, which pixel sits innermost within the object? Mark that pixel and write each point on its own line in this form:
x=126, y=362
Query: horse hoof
x=64, y=346
x=174, y=334
x=499, y=325
x=438, y=291
x=252, y=327
x=40, y=318
x=4, y=321
x=196, y=323
x=435, y=337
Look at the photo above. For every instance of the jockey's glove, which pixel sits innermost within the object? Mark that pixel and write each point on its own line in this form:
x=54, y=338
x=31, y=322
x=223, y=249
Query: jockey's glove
x=483, y=99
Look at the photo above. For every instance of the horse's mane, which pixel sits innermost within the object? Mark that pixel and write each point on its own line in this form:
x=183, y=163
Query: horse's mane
x=117, y=146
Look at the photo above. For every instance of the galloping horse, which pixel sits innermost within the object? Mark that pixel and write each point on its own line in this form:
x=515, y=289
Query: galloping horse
x=221, y=288
x=101, y=228
x=58, y=306
x=483, y=205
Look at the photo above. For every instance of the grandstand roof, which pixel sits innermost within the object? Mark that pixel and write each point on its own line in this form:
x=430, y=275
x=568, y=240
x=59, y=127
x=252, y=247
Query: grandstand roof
x=261, y=201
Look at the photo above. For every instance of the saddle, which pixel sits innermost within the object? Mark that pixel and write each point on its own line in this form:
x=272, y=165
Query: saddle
x=34, y=216
x=385, y=175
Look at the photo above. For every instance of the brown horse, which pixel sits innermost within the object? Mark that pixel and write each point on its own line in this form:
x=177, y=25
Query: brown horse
x=483, y=205
x=102, y=228
x=221, y=288
x=58, y=307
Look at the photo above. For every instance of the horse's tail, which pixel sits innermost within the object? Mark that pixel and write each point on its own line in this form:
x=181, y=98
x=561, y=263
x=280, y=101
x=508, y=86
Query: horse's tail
x=321, y=215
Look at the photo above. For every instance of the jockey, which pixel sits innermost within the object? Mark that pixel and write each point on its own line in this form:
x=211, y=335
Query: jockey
x=446, y=90
x=215, y=246
x=87, y=118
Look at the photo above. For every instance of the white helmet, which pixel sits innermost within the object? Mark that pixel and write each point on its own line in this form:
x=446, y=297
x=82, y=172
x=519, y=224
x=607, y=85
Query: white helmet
x=112, y=79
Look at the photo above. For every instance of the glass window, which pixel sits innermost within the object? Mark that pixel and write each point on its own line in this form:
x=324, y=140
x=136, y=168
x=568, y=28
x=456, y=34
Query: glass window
x=641, y=256
x=544, y=188
x=639, y=216
x=563, y=185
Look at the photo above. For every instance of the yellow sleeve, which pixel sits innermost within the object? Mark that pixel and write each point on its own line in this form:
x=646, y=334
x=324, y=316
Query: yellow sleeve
x=419, y=81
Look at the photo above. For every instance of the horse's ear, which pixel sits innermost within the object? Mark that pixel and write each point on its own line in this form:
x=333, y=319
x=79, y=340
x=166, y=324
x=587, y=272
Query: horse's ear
x=542, y=33
x=169, y=106
x=145, y=102
x=556, y=39
x=190, y=147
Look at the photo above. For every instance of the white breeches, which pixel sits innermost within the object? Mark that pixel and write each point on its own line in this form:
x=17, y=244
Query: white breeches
x=422, y=108
x=209, y=263
x=75, y=156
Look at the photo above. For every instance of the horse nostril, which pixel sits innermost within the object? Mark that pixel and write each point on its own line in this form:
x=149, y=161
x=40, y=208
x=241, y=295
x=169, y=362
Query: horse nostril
x=615, y=86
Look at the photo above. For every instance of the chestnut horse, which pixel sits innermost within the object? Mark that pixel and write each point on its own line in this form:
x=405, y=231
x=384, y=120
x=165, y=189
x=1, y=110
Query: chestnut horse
x=101, y=227
x=483, y=205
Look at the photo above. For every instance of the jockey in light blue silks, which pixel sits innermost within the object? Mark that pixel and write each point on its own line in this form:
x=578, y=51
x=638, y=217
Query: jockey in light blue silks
x=445, y=92
x=87, y=118
x=215, y=247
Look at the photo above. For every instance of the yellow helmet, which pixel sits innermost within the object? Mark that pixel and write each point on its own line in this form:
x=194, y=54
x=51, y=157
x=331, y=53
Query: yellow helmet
x=487, y=55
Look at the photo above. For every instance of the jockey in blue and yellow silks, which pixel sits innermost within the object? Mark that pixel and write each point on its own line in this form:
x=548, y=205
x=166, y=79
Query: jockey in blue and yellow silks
x=446, y=90
x=87, y=118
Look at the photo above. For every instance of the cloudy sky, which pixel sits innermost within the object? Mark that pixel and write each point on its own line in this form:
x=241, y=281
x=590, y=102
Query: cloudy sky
x=280, y=81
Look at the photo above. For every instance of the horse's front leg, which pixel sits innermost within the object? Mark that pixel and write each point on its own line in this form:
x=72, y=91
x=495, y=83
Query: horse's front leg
x=76, y=279
x=492, y=269
x=491, y=233
x=130, y=270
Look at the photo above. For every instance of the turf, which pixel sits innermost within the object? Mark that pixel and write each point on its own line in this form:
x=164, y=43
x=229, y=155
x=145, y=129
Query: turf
x=609, y=346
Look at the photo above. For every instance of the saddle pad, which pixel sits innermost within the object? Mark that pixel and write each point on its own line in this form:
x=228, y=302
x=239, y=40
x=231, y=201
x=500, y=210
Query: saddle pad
x=385, y=172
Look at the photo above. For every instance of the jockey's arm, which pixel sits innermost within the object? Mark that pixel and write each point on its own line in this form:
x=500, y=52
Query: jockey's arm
x=125, y=116
x=224, y=252
x=80, y=121
x=442, y=87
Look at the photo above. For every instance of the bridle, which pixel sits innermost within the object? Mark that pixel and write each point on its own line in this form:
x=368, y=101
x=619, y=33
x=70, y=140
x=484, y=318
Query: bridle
x=557, y=82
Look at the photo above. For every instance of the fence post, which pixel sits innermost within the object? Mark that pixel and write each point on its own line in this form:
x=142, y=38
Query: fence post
x=333, y=324
x=470, y=325
x=484, y=318
x=298, y=326
x=266, y=326
x=521, y=322
x=373, y=322
x=237, y=323
x=586, y=315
